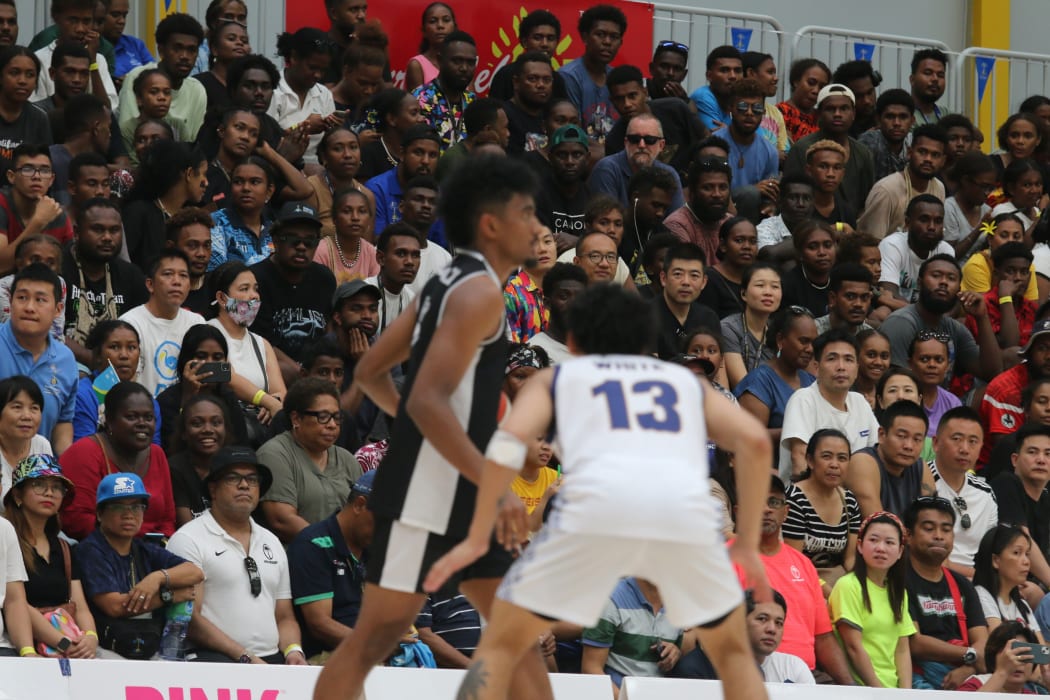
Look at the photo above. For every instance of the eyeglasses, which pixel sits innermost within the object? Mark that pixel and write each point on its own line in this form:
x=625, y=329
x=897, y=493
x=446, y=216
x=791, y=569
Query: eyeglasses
x=325, y=417
x=774, y=502
x=254, y=579
x=125, y=508
x=710, y=162
x=745, y=107
x=596, y=257
x=672, y=46
x=799, y=310
x=636, y=139
x=923, y=336
x=235, y=479
x=964, y=518
x=31, y=170
x=295, y=241
x=41, y=486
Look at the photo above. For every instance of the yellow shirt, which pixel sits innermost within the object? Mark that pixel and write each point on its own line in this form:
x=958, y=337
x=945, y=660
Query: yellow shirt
x=531, y=493
x=977, y=276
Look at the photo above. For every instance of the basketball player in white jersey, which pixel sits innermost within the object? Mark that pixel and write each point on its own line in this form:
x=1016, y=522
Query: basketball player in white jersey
x=454, y=334
x=631, y=433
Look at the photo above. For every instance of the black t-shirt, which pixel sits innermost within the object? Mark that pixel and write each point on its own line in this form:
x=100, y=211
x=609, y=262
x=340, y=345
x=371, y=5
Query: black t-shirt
x=47, y=585
x=199, y=302
x=218, y=98
x=502, y=87
x=170, y=402
x=521, y=124
x=208, y=136
x=144, y=231
x=842, y=212
x=721, y=295
x=799, y=292
x=30, y=126
x=670, y=332
x=128, y=282
x=1016, y=508
x=932, y=607
x=374, y=161
x=292, y=315
x=558, y=212
x=186, y=486
x=682, y=128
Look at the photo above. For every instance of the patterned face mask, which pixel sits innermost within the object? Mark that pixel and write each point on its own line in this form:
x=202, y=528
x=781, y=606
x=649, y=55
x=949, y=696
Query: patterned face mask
x=242, y=311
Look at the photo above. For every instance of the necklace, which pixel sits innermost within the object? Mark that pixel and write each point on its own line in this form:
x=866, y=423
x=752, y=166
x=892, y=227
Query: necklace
x=746, y=345
x=389, y=157
x=339, y=249
x=163, y=209
x=810, y=283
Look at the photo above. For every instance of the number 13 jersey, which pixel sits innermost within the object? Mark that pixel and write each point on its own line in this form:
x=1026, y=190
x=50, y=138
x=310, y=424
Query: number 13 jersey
x=632, y=438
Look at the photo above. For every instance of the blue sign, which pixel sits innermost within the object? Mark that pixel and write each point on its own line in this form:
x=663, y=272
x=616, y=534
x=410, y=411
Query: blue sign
x=863, y=52
x=741, y=38
x=984, y=65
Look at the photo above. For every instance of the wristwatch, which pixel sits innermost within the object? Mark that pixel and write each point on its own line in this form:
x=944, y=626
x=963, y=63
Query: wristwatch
x=970, y=657
x=166, y=596
x=246, y=658
x=63, y=644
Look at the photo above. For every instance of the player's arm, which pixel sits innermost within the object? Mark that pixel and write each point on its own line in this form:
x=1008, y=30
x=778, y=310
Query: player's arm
x=530, y=416
x=372, y=373
x=735, y=430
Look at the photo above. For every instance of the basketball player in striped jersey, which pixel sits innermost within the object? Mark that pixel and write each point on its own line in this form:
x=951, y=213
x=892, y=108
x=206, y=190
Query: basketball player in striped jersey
x=611, y=411
x=453, y=336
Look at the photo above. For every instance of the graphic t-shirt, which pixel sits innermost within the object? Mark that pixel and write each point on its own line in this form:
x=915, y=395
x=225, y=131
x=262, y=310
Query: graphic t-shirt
x=160, y=340
x=291, y=316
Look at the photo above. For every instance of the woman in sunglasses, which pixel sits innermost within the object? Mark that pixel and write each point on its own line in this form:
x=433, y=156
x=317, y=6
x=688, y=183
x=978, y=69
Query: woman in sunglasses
x=126, y=579
x=312, y=476
x=928, y=358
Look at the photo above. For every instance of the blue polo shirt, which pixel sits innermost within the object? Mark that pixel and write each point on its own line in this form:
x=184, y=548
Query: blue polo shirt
x=709, y=109
x=388, y=194
x=324, y=568
x=612, y=173
x=103, y=570
x=55, y=372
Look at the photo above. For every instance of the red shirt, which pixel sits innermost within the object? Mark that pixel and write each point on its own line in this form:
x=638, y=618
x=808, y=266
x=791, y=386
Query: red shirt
x=60, y=229
x=792, y=574
x=1023, y=312
x=1000, y=408
x=85, y=465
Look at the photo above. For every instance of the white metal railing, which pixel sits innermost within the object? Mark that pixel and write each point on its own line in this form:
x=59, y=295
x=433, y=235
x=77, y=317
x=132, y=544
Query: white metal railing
x=976, y=78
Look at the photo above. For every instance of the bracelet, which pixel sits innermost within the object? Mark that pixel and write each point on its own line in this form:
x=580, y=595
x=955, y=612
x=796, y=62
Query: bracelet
x=91, y=633
x=26, y=651
x=93, y=66
x=257, y=399
x=1005, y=300
x=293, y=648
x=839, y=227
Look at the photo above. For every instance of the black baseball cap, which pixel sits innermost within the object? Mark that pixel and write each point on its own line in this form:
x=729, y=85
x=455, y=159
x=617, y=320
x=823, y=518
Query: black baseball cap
x=235, y=455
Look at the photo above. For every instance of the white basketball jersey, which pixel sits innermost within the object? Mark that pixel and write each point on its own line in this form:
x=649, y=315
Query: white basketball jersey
x=632, y=439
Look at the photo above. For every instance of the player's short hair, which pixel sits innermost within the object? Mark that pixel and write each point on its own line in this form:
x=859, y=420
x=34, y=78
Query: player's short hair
x=606, y=319
x=489, y=183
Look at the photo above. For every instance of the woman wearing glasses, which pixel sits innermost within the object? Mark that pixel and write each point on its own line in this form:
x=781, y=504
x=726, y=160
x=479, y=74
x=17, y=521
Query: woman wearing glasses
x=127, y=579
x=745, y=333
x=928, y=358
x=123, y=444
x=312, y=476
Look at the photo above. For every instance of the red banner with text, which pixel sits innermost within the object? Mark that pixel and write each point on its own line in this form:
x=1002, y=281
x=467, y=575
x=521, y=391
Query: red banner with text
x=494, y=26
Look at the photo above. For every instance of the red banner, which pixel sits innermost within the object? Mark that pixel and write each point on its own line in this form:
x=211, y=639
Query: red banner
x=494, y=26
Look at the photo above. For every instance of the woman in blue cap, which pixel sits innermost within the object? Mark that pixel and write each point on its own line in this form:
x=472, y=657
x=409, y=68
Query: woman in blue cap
x=126, y=580
x=39, y=489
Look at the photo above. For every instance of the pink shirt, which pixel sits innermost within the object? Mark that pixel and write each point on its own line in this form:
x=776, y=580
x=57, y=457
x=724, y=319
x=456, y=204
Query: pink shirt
x=792, y=574
x=430, y=71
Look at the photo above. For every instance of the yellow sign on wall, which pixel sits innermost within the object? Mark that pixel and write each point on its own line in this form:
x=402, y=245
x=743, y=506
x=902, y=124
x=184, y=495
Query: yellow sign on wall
x=155, y=12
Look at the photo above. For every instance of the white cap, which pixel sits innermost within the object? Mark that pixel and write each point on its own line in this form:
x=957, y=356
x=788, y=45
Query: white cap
x=835, y=90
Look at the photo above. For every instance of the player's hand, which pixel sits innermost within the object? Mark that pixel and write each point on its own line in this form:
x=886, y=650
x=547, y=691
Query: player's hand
x=463, y=554
x=754, y=571
x=548, y=643
x=512, y=522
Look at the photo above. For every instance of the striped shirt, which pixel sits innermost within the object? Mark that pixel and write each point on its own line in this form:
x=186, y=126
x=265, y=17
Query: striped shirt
x=824, y=543
x=628, y=628
x=453, y=619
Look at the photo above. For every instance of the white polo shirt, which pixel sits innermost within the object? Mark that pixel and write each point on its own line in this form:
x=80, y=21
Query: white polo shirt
x=286, y=108
x=228, y=601
x=982, y=508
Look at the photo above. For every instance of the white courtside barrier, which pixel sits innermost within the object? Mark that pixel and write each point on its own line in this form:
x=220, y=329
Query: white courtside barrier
x=673, y=689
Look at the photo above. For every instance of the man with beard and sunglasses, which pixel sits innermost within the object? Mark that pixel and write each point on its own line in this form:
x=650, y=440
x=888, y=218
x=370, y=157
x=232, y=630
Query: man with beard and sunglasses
x=753, y=159
x=643, y=142
x=698, y=221
x=245, y=611
x=957, y=445
x=939, y=280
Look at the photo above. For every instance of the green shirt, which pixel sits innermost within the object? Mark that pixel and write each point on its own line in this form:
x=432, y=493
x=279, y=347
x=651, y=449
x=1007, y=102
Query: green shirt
x=297, y=481
x=880, y=631
x=46, y=36
x=188, y=105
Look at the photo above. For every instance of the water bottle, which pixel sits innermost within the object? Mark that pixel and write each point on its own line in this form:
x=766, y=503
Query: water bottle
x=173, y=640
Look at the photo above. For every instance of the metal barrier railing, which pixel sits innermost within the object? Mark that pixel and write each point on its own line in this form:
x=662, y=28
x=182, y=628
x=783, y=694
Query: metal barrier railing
x=979, y=84
x=703, y=29
x=890, y=54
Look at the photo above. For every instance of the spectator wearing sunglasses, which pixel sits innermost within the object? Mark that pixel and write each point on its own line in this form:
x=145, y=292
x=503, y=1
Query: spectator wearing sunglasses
x=643, y=142
x=938, y=281
x=311, y=474
x=244, y=612
x=329, y=573
x=949, y=644
x=956, y=446
x=753, y=159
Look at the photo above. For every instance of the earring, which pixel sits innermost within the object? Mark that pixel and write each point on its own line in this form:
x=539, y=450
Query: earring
x=778, y=353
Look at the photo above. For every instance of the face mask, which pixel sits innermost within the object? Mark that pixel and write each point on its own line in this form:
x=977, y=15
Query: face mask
x=243, y=312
